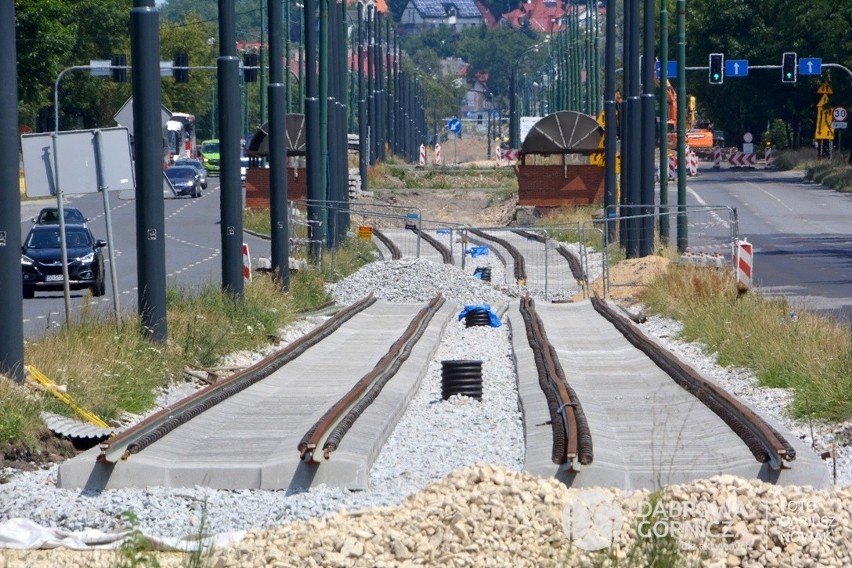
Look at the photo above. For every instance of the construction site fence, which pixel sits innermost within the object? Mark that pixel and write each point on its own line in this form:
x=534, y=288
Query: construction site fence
x=707, y=238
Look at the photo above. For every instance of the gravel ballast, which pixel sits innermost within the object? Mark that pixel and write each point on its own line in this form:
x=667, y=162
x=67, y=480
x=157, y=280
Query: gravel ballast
x=440, y=495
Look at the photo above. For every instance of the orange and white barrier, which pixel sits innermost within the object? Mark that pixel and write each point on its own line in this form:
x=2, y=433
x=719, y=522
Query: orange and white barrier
x=767, y=156
x=717, y=157
x=742, y=159
x=691, y=163
x=246, y=264
x=438, y=159
x=743, y=262
x=422, y=155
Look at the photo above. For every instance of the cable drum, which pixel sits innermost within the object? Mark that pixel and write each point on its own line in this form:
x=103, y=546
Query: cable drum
x=461, y=376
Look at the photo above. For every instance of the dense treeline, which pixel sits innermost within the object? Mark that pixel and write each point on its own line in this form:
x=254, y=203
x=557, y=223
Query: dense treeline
x=55, y=34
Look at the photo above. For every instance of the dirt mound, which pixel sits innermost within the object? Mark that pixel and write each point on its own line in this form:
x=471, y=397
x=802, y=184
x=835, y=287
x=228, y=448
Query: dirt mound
x=629, y=277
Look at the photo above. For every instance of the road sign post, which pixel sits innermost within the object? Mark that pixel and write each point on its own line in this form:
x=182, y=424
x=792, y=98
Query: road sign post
x=455, y=126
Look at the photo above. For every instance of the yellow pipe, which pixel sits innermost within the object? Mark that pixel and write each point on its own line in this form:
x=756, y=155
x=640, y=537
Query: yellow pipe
x=50, y=386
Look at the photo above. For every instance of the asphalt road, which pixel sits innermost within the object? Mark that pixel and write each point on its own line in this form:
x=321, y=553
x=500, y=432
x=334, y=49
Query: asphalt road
x=801, y=232
x=193, y=250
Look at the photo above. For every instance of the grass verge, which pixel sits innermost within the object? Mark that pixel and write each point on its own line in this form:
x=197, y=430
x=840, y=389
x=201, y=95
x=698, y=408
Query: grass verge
x=791, y=349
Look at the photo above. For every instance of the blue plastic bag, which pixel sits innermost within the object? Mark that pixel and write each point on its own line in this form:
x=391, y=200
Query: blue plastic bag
x=493, y=320
x=477, y=251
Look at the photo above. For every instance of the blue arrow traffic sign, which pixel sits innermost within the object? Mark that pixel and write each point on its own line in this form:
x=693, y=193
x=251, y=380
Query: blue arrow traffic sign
x=454, y=125
x=810, y=66
x=736, y=68
x=671, y=69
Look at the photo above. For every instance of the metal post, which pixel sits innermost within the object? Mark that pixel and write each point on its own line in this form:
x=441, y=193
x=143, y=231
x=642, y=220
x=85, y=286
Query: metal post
x=610, y=125
x=363, y=150
x=231, y=196
x=664, y=120
x=278, y=102
x=108, y=218
x=11, y=300
x=316, y=192
x=148, y=144
x=682, y=240
x=646, y=229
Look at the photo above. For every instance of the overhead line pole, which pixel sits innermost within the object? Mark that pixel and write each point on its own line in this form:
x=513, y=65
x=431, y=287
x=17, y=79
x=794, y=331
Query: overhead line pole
x=11, y=279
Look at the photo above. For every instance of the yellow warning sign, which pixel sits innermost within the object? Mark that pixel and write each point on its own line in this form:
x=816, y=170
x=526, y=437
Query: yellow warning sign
x=823, y=130
x=365, y=232
x=825, y=89
x=597, y=159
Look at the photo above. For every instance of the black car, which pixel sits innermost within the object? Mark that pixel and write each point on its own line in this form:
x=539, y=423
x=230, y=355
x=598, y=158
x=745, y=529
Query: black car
x=185, y=180
x=199, y=167
x=50, y=216
x=41, y=260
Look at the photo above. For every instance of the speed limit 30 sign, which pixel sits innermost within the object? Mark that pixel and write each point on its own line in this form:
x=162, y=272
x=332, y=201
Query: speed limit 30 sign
x=839, y=116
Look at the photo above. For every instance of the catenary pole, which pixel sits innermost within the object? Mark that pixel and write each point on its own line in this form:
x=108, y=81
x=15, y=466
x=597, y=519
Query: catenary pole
x=11, y=298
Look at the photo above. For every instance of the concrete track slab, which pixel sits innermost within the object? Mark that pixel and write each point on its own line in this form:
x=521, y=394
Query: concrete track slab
x=250, y=440
x=646, y=430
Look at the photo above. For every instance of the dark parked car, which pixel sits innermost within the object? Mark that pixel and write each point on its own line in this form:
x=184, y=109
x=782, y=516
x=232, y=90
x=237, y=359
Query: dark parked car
x=41, y=260
x=50, y=216
x=199, y=167
x=185, y=180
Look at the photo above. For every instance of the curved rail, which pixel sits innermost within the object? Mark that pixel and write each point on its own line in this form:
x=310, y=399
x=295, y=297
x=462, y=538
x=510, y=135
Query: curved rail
x=572, y=259
x=329, y=430
x=766, y=444
x=572, y=438
x=148, y=431
x=446, y=253
x=396, y=254
x=517, y=257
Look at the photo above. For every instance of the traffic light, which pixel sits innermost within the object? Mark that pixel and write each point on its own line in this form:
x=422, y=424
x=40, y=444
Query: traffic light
x=181, y=68
x=118, y=64
x=250, y=67
x=788, y=67
x=717, y=68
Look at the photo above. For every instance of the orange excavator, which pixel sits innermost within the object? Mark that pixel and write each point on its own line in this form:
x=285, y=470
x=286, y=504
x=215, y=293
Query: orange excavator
x=699, y=135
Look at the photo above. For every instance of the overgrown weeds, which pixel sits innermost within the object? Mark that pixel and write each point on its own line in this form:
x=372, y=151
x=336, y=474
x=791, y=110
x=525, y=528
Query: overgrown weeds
x=786, y=348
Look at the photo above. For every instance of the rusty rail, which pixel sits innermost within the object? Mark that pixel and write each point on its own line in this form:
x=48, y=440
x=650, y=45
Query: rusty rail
x=517, y=257
x=446, y=253
x=148, y=431
x=572, y=438
x=327, y=433
x=766, y=444
x=396, y=254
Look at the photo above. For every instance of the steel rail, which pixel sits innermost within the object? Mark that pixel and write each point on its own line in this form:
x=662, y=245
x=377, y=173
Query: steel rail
x=396, y=254
x=517, y=257
x=327, y=433
x=446, y=254
x=766, y=444
x=572, y=439
x=148, y=431
x=573, y=261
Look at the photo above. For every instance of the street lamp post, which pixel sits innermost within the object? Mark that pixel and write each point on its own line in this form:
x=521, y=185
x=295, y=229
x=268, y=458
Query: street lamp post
x=514, y=127
x=63, y=247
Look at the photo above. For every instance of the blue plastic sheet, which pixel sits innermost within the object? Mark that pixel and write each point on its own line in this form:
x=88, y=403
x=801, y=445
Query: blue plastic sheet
x=493, y=320
x=477, y=251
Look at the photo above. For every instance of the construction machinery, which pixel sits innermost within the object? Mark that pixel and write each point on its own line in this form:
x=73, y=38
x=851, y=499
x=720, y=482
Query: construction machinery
x=699, y=134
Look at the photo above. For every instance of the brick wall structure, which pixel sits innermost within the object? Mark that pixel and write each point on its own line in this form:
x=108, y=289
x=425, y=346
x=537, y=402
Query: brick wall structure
x=257, y=186
x=558, y=185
